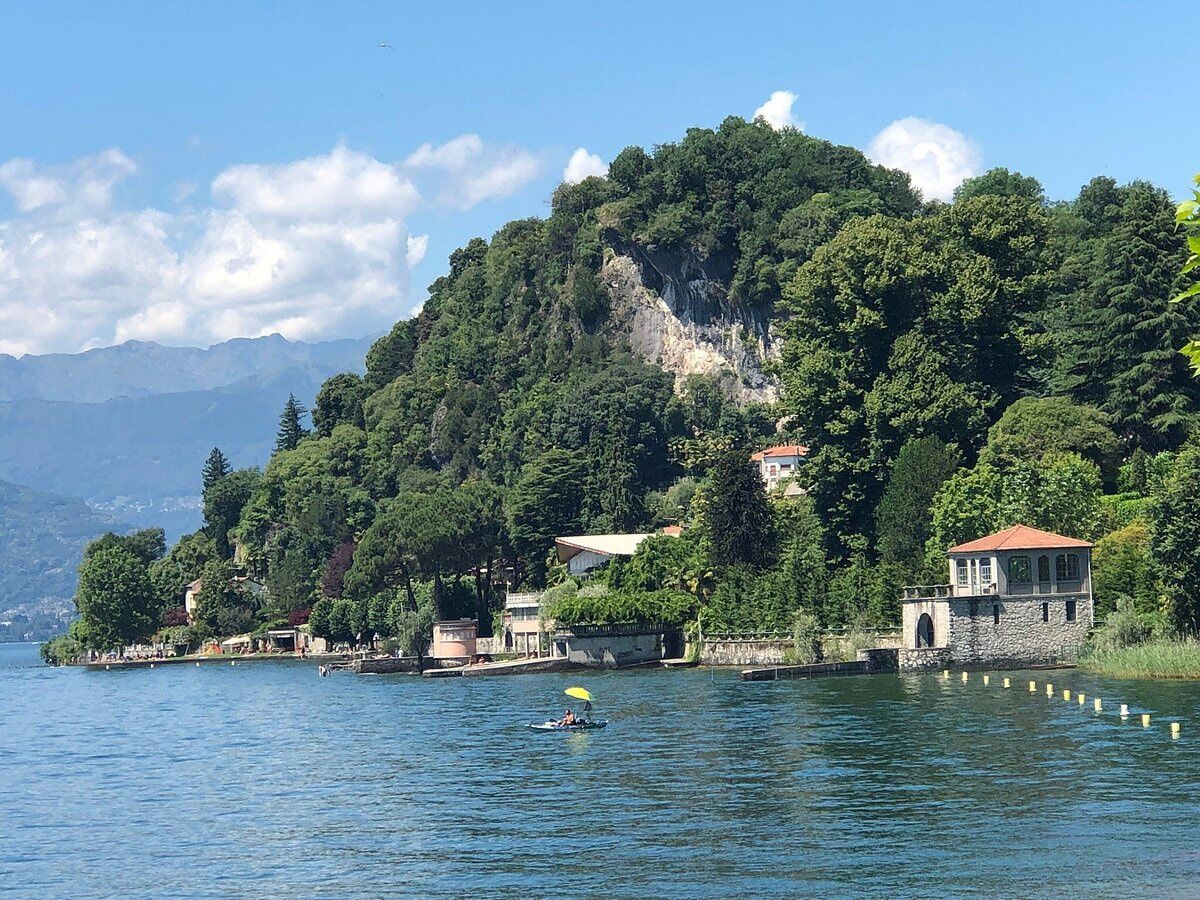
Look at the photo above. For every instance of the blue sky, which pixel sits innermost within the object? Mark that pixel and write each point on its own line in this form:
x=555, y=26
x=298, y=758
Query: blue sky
x=155, y=189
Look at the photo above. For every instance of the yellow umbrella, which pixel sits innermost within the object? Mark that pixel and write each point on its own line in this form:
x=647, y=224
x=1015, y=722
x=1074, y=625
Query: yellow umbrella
x=579, y=694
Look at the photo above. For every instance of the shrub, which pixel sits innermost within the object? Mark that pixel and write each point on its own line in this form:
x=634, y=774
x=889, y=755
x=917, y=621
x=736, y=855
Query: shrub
x=1124, y=627
x=175, y=616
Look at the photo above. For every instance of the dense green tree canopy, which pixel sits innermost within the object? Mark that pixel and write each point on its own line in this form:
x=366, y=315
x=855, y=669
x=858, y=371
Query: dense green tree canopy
x=115, y=598
x=921, y=467
x=1033, y=425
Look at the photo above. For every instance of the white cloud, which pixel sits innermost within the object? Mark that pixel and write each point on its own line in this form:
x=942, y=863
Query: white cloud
x=417, y=245
x=313, y=248
x=583, y=165
x=936, y=157
x=777, y=111
x=455, y=154
x=465, y=171
x=85, y=184
x=342, y=183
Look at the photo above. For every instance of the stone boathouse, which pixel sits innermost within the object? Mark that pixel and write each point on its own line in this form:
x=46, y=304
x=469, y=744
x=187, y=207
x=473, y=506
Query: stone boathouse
x=1018, y=597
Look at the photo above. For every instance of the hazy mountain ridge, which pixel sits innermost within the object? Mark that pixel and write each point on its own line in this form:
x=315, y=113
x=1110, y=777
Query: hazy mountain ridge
x=145, y=368
x=42, y=536
x=115, y=439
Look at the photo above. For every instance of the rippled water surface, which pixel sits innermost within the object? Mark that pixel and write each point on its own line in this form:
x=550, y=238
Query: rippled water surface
x=262, y=779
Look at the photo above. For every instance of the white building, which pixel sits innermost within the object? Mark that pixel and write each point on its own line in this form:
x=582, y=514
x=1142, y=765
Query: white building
x=584, y=552
x=778, y=464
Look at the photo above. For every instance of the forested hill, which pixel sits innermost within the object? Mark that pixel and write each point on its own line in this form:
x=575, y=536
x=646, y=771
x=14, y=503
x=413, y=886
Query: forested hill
x=954, y=368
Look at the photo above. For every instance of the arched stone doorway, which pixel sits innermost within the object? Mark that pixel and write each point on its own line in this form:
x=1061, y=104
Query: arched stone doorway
x=925, y=631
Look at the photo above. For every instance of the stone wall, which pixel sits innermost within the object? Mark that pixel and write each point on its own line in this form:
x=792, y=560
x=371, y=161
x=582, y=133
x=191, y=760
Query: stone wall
x=489, y=645
x=880, y=659
x=748, y=652
x=1021, y=637
x=966, y=632
x=924, y=659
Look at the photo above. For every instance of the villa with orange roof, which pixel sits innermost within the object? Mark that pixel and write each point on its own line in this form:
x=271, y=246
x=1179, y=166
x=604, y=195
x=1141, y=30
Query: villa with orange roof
x=777, y=465
x=1021, y=596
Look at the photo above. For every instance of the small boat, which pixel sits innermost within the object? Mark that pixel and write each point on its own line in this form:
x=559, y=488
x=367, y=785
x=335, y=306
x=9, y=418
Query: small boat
x=581, y=726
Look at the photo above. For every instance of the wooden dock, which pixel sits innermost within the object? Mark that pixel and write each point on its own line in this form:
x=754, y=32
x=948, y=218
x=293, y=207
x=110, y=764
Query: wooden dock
x=216, y=659
x=816, y=670
x=506, y=667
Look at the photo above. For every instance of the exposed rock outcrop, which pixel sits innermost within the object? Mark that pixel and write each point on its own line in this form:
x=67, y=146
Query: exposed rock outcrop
x=674, y=310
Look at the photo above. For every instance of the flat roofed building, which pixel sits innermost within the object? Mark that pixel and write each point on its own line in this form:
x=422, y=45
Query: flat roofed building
x=522, y=625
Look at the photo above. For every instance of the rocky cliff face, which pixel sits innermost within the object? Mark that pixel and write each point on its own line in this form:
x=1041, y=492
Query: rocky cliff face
x=674, y=310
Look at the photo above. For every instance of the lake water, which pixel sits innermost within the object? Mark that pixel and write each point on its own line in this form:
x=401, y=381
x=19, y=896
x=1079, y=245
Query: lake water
x=263, y=779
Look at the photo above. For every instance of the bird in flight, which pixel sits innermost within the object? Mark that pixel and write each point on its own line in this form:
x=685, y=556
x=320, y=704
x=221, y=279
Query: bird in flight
x=383, y=46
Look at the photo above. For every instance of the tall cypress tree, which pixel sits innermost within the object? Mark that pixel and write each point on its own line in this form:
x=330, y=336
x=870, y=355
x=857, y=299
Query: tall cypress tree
x=1122, y=352
x=737, y=516
x=216, y=467
x=291, y=431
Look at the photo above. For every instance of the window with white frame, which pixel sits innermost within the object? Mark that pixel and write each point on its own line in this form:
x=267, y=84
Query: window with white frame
x=985, y=570
x=963, y=577
x=1067, y=566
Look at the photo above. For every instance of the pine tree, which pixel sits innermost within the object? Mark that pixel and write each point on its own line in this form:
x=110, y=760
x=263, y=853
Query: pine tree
x=215, y=468
x=291, y=432
x=903, y=517
x=1122, y=352
x=737, y=516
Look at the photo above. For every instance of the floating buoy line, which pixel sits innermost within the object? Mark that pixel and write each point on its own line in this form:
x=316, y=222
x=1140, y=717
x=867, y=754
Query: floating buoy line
x=1068, y=696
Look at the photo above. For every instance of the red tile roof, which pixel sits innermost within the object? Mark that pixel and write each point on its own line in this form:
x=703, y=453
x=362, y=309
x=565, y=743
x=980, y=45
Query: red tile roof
x=781, y=450
x=1019, y=537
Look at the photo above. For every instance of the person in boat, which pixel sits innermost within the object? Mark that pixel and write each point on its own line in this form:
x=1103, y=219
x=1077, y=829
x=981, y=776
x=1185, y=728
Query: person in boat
x=568, y=719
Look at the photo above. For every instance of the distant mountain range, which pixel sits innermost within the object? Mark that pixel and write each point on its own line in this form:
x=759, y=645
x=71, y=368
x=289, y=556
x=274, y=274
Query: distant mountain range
x=143, y=368
x=115, y=439
x=42, y=537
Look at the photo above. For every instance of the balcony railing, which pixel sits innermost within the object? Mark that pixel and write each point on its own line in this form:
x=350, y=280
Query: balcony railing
x=927, y=592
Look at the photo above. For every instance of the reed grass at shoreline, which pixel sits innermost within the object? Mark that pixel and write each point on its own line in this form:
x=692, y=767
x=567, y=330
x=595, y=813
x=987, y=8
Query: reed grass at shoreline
x=1164, y=658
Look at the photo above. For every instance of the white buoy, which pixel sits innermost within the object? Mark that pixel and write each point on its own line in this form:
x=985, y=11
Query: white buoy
x=1066, y=694
x=1033, y=687
x=1124, y=711
x=964, y=677
x=1097, y=704
x=1049, y=690
x=986, y=680
x=1145, y=720
x=1174, y=729
x=1007, y=683
x=1082, y=699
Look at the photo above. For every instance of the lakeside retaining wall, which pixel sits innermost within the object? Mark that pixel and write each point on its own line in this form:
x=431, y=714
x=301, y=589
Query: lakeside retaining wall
x=749, y=651
x=611, y=648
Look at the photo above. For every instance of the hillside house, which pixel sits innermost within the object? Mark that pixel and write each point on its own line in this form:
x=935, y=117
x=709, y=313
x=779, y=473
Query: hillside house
x=192, y=592
x=1018, y=597
x=584, y=552
x=777, y=465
